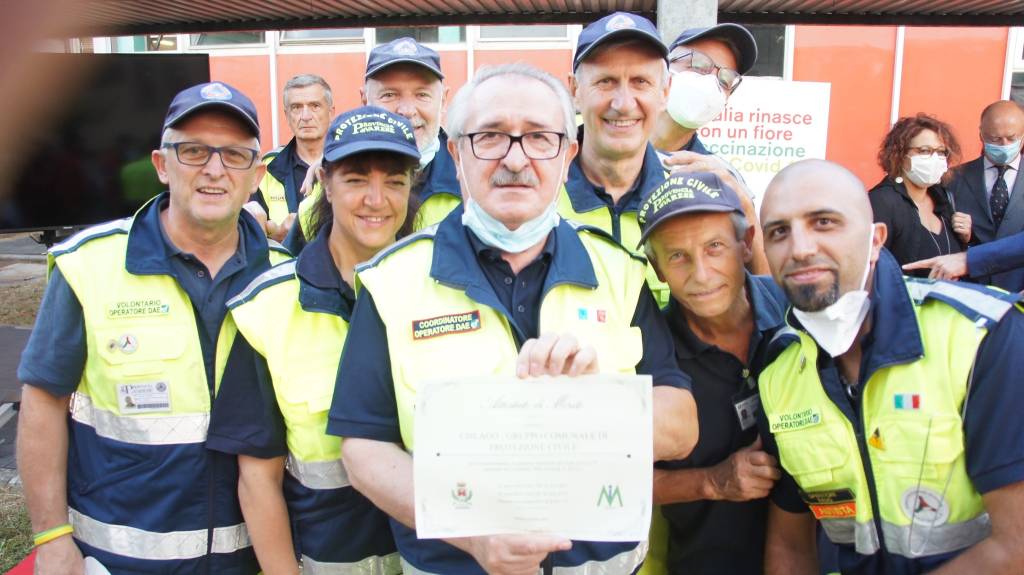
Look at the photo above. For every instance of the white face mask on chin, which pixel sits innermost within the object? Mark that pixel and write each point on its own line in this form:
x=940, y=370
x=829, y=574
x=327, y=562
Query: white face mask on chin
x=494, y=233
x=836, y=326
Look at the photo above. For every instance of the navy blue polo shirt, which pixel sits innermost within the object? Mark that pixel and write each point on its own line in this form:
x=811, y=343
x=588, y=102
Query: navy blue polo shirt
x=993, y=425
x=585, y=196
x=369, y=408
x=55, y=355
x=722, y=536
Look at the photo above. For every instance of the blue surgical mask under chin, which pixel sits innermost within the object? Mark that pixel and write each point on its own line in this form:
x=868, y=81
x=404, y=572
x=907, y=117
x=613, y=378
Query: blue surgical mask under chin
x=494, y=233
x=1000, y=155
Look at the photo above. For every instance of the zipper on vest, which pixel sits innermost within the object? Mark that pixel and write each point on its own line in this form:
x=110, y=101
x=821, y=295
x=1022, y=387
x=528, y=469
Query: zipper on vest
x=862, y=446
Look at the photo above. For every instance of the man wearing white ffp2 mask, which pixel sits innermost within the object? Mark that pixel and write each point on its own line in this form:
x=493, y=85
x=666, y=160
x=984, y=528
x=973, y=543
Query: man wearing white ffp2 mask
x=707, y=66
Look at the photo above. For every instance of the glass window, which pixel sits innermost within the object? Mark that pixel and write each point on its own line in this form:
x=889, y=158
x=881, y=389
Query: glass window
x=423, y=34
x=226, y=38
x=322, y=35
x=526, y=32
x=1017, y=88
x=147, y=43
x=771, y=49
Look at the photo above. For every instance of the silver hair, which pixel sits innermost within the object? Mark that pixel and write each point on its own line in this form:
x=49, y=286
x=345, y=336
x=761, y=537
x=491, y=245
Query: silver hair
x=304, y=80
x=740, y=225
x=632, y=42
x=458, y=110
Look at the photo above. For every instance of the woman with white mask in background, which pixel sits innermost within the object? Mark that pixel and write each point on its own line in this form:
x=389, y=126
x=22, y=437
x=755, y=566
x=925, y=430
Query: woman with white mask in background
x=911, y=199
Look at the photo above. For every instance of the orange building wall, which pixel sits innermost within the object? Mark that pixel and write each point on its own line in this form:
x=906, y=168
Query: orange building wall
x=251, y=75
x=953, y=73
x=859, y=62
x=555, y=62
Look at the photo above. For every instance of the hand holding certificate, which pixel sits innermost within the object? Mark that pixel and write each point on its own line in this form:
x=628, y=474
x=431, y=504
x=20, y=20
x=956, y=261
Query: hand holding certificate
x=564, y=456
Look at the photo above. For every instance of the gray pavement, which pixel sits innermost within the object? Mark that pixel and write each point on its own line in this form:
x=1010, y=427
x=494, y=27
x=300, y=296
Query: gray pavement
x=17, y=246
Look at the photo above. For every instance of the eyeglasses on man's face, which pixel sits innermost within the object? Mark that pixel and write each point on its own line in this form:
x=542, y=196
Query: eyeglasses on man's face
x=540, y=145
x=196, y=154
x=701, y=63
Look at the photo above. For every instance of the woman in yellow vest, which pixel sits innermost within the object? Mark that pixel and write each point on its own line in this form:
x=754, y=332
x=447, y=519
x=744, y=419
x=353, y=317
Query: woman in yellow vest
x=272, y=410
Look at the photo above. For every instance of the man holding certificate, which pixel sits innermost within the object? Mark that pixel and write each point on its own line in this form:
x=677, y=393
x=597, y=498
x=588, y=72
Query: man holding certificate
x=501, y=287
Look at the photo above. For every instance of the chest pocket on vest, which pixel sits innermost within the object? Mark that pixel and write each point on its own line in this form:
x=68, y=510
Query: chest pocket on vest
x=309, y=387
x=906, y=439
x=618, y=348
x=815, y=455
x=141, y=352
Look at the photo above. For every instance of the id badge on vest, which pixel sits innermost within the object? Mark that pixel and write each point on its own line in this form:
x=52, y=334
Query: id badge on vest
x=747, y=402
x=148, y=397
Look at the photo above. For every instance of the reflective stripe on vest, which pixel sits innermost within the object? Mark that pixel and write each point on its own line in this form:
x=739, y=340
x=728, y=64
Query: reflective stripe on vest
x=912, y=433
x=906, y=540
x=150, y=545
x=318, y=474
x=387, y=565
x=149, y=429
x=625, y=562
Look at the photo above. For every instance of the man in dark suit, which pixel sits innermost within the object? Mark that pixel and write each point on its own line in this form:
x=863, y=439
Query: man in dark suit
x=991, y=188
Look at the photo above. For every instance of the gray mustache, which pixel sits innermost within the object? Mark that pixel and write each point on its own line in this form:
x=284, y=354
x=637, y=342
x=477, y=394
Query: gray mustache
x=505, y=177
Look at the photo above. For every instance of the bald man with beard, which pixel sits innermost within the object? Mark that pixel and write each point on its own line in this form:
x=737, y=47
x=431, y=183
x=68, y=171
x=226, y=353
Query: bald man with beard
x=866, y=402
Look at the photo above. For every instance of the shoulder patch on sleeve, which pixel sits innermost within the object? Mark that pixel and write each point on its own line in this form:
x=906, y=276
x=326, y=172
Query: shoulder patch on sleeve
x=978, y=303
x=91, y=233
x=275, y=275
x=424, y=234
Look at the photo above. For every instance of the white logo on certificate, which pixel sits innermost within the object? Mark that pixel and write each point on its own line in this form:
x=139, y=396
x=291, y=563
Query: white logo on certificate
x=571, y=457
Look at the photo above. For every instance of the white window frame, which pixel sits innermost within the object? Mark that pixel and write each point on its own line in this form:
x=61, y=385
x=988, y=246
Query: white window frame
x=437, y=46
x=361, y=39
x=513, y=39
x=227, y=47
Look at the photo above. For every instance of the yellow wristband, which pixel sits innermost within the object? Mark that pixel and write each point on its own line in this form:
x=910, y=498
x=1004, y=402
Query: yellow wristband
x=50, y=534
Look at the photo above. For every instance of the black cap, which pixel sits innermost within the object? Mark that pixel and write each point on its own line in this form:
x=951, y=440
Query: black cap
x=367, y=129
x=212, y=94
x=682, y=194
x=740, y=38
x=613, y=27
x=403, y=50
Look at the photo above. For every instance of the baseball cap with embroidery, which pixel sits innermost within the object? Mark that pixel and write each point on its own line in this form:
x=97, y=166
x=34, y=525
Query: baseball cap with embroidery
x=209, y=95
x=403, y=50
x=685, y=193
x=613, y=27
x=366, y=129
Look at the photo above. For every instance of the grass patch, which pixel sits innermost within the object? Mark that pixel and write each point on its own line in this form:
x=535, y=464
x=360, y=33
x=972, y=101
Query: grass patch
x=15, y=529
x=19, y=302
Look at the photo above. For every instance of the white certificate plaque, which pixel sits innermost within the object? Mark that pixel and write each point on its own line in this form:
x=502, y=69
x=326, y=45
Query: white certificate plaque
x=563, y=456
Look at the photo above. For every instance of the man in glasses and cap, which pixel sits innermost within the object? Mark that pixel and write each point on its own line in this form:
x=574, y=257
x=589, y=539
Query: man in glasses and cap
x=132, y=327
